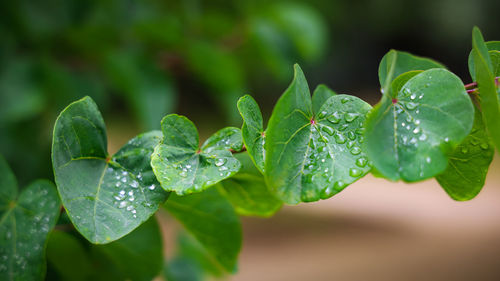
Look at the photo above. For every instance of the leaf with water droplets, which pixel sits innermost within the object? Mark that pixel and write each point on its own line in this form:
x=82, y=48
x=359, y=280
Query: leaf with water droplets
x=211, y=219
x=313, y=155
x=252, y=130
x=105, y=197
x=182, y=167
x=468, y=163
x=409, y=133
x=395, y=63
x=25, y=223
x=248, y=191
x=490, y=103
x=137, y=256
x=320, y=95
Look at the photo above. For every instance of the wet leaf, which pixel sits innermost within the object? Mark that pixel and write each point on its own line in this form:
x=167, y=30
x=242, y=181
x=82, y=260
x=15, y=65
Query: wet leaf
x=312, y=156
x=409, y=133
x=105, y=197
x=181, y=166
x=468, y=163
x=25, y=222
x=485, y=79
x=252, y=130
x=211, y=219
x=248, y=192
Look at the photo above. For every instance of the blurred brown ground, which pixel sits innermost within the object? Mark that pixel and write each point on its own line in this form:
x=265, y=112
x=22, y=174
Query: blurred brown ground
x=379, y=230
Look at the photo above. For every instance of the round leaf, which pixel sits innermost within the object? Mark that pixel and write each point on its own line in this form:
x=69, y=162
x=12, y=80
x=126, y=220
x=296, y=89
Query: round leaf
x=408, y=134
x=104, y=197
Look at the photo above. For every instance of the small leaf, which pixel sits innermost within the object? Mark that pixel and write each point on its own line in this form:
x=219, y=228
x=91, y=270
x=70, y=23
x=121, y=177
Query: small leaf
x=488, y=91
x=409, y=133
x=25, y=223
x=314, y=156
x=180, y=166
x=468, y=163
x=211, y=219
x=320, y=96
x=248, y=191
x=395, y=63
x=494, y=53
x=252, y=130
x=104, y=198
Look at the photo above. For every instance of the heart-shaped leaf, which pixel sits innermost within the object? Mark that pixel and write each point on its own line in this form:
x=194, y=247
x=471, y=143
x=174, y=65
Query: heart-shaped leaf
x=25, y=223
x=312, y=156
x=248, y=191
x=105, y=197
x=252, y=130
x=395, y=63
x=490, y=103
x=211, y=219
x=468, y=163
x=409, y=133
x=181, y=166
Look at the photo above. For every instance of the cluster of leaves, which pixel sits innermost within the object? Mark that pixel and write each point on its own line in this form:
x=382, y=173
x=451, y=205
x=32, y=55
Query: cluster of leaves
x=426, y=125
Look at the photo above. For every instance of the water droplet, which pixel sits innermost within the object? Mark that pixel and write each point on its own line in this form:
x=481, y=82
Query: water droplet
x=130, y=207
x=413, y=96
x=353, y=172
x=344, y=100
x=417, y=122
x=361, y=162
x=350, y=144
x=464, y=150
x=123, y=204
x=349, y=117
x=339, y=138
x=416, y=130
x=183, y=174
x=351, y=135
x=446, y=139
x=152, y=187
x=131, y=193
x=360, y=131
x=474, y=142
x=133, y=211
x=355, y=150
x=124, y=173
x=422, y=137
x=220, y=162
x=134, y=184
x=124, y=180
x=343, y=127
x=188, y=166
x=334, y=118
x=484, y=145
x=411, y=105
x=428, y=159
x=328, y=130
x=322, y=114
x=406, y=91
x=339, y=185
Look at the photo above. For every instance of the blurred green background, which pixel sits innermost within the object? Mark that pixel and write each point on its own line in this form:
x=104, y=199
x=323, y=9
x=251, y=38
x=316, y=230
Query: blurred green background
x=140, y=60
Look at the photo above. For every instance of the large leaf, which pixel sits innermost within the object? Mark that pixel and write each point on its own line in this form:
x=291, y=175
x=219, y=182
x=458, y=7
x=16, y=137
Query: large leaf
x=252, y=130
x=105, y=197
x=137, y=256
x=312, y=156
x=468, y=163
x=409, y=132
x=489, y=101
x=395, y=63
x=181, y=166
x=211, y=219
x=25, y=222
x=248, y=191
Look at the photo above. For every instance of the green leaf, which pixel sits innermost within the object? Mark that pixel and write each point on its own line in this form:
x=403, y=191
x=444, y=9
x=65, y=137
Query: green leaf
x=128, y=258
x=494, y=53
x=180, y=166
x=68, y=257
x=252, y=130
x=139, y=255
x=409, y=133
x=314, y=156
x=25, y=223
x=395, y=63
x=248, y=192
x=489, y=101
x=468, y=163
x=105, y=197
x=211, y=219
x=320, y=96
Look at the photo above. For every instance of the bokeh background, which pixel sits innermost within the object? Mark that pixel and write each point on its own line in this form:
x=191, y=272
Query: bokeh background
x=140, y=60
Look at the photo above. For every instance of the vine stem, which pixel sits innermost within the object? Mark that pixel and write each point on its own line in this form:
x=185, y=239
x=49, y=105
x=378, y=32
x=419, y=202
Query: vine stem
x=472, y=87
